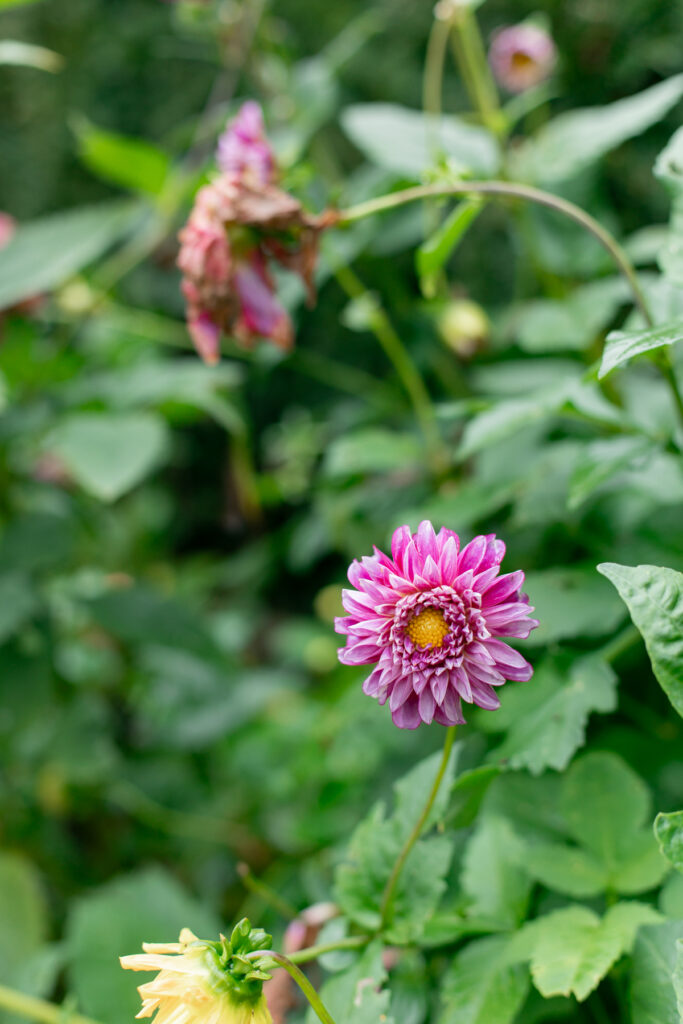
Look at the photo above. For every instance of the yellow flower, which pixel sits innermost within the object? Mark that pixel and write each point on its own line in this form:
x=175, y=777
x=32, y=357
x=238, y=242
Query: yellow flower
x=199, y=983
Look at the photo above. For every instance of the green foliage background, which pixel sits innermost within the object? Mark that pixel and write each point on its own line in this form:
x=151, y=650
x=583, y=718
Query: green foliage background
x=175, y=537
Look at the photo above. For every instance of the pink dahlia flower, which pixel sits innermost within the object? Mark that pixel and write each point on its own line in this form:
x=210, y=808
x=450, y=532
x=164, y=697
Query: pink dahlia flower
x=430, y=618
x=243, y=148
x=522, y=56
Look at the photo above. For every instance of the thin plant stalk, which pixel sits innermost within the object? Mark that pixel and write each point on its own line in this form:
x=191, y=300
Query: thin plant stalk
x=39, y=1009
x=437, y=46
x=313, y=952
x=471, y=58
x=399, y=864
x=316, y=1003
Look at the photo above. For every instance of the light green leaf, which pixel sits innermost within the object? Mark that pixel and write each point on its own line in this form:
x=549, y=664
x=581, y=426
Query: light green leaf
x=434, y=252
x=670, y=900
x=44, y=253
x=549, y=716
x=496, y=886
x=669, y=834
x=147, y=906
x=371, y=451
x=23, y=912
x=481, y=986
x=18, y=602
x=14, y=3
x=357, y=994
x=132, y=163
x=569, y=870
x=549, y=325
x=653, y=998
x=621, y=346
x=26, y=55
x=654, y=597
x=409, y=142
x=669, y=169
x=572, y=949
x=602, y=461
x=110, y=453
x=503, y=419
x=570, y=603
x=575, y=140
x=678, y=977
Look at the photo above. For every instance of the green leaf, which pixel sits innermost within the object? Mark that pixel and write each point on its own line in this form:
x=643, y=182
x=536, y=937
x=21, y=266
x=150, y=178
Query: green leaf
x=669, y=835
x=653, y=997
x=678, y=977
x=565, y=869
x=575, y=140
x=602, y=461
x=376, y=843
x=15, y=3
x=669, y=169
x=109, y=453
x=481, y=987
x=371, y=451
x=132, y=163
x=505, y=418
x=550, y=716
x=37, y=540
x=26, y=55
x=23, y=912
x=140, y=615
x=550, y=325
x=434, y=252
x=409, y=142
x=44, y=253
x=467, y=793
x=496, y=886
x=147, y=906
x=357, y=994
x=571, y=603
x=654, y=597
x=18, y=603
x=622, y=346
x=572, y=949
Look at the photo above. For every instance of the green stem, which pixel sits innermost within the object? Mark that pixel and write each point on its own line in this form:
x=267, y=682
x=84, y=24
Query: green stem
x=263, y=891
x=437, y=46
x=615, y=648
x=397, y=353
x=313, y=952
x=39, y=1009
x=390, y=887
x=470, y=52
x=302, y=981
x=513, y=191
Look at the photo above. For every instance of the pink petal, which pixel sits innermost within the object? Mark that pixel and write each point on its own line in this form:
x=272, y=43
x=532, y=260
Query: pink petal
x=427, y=705
x=503, y=588
x=407, y=716
x=485, y=697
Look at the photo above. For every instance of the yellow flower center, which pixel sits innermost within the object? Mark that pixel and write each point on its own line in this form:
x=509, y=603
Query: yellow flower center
x=522, y=61
x=428, y=628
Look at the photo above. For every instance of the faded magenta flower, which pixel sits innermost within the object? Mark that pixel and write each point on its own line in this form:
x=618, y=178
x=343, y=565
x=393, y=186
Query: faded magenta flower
x=239, y=222
x=430, y=618
x=522, y=56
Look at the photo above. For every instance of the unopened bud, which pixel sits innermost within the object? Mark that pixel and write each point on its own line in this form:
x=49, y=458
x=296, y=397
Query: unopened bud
x=464, y=327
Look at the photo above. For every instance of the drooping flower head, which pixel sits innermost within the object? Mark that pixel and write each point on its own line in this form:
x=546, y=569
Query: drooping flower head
x=202, y=982
x=430, y=618
x=239, y=223
x=522, y=56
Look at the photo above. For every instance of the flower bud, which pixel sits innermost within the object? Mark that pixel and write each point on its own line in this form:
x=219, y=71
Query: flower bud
x=464, y=327
x=522, y=56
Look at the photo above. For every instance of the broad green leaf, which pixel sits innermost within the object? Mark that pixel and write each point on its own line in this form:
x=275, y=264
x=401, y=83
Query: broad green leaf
x=44, y=253
x=24, y=915
x=670, y=900
x=654, y=597
x=132, y=163
x=570, y=603
x=678, y=977
x=551, y=325
x=481, y=986
x=409, y=142
x=18, y=602
x=357, y=994
x=569, y=870
x=371, y=451
x=573, y=949
x=27, y=55
x=496, y=886
x=622, y=346
x=669, y=170
x=653, y=997
x=434, y=252
x=602, y=461
x=500, y=421
x=36, y=541
x=109, y=453
x=146, y=906
x=140, y=615
x=575, y=140
x=467, y=793
x=549, y=716
x=669, y=833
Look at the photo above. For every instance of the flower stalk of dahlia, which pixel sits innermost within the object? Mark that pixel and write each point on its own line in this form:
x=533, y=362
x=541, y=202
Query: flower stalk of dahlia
x=430, y=618
x=239, y=224
x=202, y=982
x=522, y=56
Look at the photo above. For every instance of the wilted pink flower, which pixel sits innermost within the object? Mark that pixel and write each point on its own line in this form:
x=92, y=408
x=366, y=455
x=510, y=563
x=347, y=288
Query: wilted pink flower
x=243, y=148
x=429, y=618
x=522, y=56
x=239, y=221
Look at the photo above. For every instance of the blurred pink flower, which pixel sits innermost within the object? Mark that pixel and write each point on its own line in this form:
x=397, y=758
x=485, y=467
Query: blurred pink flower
x=8, y=227
x=522, y=56
x=429, y=618
x=243, y=148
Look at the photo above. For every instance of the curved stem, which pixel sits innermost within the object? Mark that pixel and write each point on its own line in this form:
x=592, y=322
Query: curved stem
x=39, y=1009
x=302, y=981
x=313, y=952
x=390, y=887
x=513, y=191
x=437, y=46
